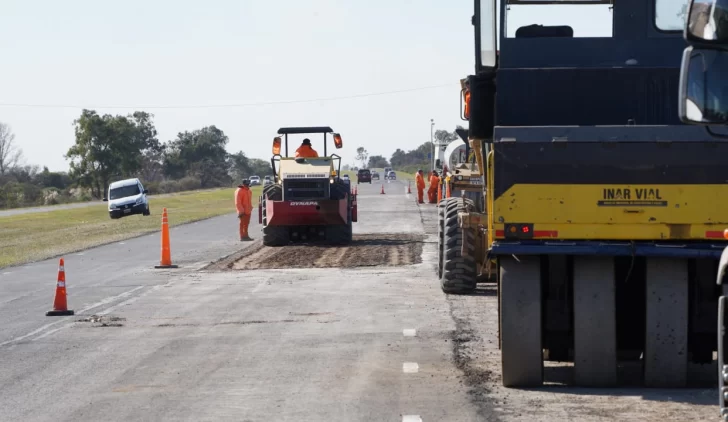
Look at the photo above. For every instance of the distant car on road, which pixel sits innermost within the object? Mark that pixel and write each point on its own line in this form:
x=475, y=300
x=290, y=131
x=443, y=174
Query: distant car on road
x=254, y=180
x=346, y=179
x=127, y=197
x=375, y=175
x=392, y=175
x=267, y=180
x=364, y=176
x=387, y=170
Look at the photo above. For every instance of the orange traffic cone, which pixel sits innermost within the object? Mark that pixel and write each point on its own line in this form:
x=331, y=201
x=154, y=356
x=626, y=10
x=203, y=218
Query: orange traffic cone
x=166, y=261
x=409, y=189
x=60, y=307
x=382, y=192
x=448, y=192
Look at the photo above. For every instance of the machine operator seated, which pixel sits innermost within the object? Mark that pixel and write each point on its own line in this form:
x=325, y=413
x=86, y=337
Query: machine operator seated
x=306, y=150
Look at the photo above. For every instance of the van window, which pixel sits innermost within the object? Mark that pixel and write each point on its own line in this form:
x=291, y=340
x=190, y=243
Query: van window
x=124, y=191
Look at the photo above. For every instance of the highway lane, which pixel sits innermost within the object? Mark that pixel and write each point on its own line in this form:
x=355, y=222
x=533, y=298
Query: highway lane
x=320, y=344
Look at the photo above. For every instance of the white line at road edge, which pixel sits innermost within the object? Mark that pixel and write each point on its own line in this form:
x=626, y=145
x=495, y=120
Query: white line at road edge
x=410, y=367
x=411, y=418
x=409, y=332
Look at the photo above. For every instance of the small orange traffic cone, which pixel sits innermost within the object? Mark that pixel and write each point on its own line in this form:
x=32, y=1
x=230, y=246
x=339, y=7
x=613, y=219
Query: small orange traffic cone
x=382, y=192
x=60, y=306
x=409, y=188
x=166, y=261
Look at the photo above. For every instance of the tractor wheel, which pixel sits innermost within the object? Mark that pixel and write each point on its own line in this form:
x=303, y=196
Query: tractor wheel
x=440, y=235
x=442, y=210
x=458, y=272
x=340, y=234
x=273, y=235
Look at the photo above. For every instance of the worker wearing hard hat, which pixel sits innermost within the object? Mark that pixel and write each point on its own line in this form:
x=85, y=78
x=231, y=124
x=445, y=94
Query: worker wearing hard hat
x=420, y=184
x=244, y=206
x=306, y=150
x=432, y=192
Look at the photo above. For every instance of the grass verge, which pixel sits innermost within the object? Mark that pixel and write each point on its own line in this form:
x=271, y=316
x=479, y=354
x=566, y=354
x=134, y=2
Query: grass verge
x=35, y=236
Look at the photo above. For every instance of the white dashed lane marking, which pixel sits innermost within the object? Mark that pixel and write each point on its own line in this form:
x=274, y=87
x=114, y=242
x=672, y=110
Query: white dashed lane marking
x=410, y=367
x=409, y=332
x=411, y=418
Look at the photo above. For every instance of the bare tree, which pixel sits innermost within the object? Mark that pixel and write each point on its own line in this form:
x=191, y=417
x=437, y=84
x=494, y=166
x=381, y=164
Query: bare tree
x=10, y=154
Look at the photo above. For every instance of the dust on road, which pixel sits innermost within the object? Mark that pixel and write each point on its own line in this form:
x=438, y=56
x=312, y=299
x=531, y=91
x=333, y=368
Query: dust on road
x=366, y=250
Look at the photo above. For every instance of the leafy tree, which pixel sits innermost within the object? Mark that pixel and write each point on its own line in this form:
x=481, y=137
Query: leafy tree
x=109, y=147
x=239, y=166
x=200, y=153
x=377, y=161
x=260, y=167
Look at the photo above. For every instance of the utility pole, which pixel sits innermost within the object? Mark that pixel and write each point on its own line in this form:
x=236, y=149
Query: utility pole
x=432, y=141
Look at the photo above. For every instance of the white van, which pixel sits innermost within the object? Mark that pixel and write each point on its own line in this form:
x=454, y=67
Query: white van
x=127, y=197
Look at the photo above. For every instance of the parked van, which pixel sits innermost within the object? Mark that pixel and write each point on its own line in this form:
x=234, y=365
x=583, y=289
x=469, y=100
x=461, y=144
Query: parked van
x=127, y=197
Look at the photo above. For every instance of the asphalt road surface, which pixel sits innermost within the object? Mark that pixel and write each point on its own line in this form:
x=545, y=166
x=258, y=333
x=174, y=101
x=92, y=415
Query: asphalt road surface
x=324, y=343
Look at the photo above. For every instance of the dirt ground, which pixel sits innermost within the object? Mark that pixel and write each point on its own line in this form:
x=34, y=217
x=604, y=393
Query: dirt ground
x=366, y=250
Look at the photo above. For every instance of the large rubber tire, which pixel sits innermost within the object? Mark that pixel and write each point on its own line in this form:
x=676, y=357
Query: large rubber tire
x=340, y=234
x=147, y=212
x=440, y=236
x=458, y=272
x=273, y=235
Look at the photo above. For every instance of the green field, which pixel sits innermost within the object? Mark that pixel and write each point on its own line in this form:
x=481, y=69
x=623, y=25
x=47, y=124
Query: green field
x=36, y=236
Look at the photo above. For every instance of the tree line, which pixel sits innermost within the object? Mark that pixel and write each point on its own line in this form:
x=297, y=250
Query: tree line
x=113, y=147
x=406, y=161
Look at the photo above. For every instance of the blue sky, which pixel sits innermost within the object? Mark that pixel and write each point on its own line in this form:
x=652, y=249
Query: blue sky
x=144, y=54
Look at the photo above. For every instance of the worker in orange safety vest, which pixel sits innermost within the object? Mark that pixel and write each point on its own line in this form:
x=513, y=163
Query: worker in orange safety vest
x=420, y=184
x=306, y=150
x=244, y=206
x=432, y=192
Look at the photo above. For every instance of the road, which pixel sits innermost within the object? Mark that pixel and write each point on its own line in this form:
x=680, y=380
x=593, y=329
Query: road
x=348, y=343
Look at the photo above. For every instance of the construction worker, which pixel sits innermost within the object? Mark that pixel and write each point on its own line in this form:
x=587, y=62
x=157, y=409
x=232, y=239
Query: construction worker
x=306, y=150
x=244, y=206
x=432, y=192
x=420, y=184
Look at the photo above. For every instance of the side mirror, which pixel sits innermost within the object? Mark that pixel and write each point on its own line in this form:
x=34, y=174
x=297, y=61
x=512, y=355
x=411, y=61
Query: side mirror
x=277, y=145
x=703, y=93
x=104, y=200
x=707, y=22
x=485, y=33
x=145, y=191
x=338, y=143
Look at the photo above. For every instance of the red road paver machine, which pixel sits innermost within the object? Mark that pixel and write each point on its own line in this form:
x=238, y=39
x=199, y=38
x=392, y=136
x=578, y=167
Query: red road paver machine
x=308, y=201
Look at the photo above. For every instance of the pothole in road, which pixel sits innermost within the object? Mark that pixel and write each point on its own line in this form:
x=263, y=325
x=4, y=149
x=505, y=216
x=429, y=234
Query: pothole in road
x=365, y=250
x=103, y=321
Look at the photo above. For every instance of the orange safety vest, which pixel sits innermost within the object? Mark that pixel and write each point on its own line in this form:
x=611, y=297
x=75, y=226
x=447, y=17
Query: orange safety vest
x=243, y=200
x=306, y=152
x=419, y=181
